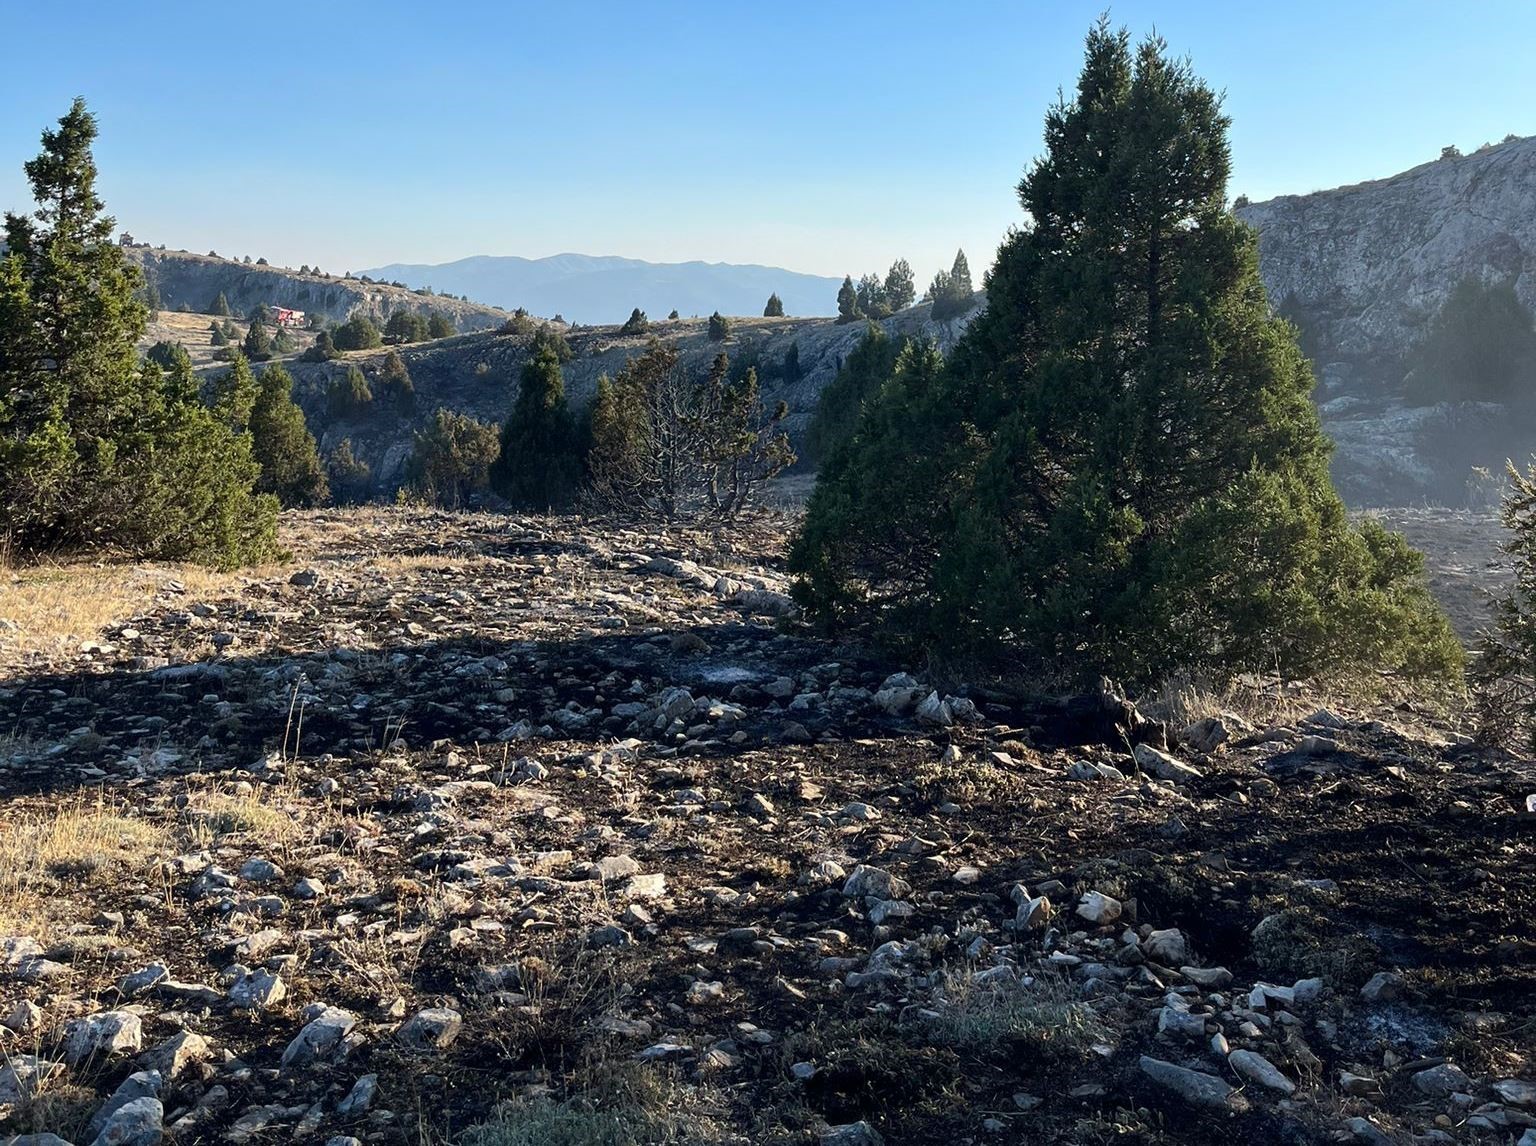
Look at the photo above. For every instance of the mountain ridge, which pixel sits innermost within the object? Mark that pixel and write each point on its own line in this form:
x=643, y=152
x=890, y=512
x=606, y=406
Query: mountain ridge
x=605, y=288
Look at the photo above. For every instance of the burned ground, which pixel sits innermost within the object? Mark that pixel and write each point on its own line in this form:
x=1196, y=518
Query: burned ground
x=571, y=825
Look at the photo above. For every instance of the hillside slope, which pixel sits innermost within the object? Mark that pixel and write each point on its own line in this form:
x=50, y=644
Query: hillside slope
x=588, y=288
x=477, y=374
x=191, y=282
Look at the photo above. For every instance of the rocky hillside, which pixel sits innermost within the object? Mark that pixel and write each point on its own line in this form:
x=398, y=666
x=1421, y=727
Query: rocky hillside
x=564, y=826
x=1362, y=270
x=191, y=282
x=478, y=374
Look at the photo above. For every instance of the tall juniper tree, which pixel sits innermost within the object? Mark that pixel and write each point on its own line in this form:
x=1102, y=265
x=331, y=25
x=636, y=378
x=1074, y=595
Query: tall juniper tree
x=539, y=466
x=1120, y=469
x=95, y=448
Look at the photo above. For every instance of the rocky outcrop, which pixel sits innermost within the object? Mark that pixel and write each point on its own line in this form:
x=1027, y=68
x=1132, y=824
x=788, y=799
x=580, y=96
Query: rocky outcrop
x=1363, y=268
x=191, y=282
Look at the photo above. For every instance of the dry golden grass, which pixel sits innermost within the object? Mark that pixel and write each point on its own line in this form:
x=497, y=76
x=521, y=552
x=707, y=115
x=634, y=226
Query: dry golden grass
x=42, y=850
x=57, y=606
x=262, y=814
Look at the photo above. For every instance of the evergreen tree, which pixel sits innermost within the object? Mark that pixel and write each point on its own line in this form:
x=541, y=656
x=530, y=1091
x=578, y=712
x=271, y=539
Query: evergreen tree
x=216, y=335
x=350, y=477
x=1120, y=470
x=870, y=296
x=451, y=459
x=546, y=337
x=258, y=343
x=952, y=293
x=165, y=354
x=637, y=323
x=220, y=306
x=395, y=385
x=95, y=447
x=673, y=316
x=900, y=287
x=282, y=444
x=848, y=301
x=439, y=325
x=719, y=327
x=791, y=371
x=323, y=349
x=774, y=307
x=859, y=378
x=404, y=326
x=233, y=395
x=1481, y=346
x=539, y=465
x=960, y=277
x=349, y=396
x=358, y=333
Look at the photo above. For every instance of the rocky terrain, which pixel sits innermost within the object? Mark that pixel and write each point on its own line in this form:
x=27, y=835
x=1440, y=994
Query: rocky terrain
x=191, y=282
x=1362, y=270
x=570, y=832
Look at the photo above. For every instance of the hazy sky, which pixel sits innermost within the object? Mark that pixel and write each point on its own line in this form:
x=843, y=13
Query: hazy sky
x=823, y=137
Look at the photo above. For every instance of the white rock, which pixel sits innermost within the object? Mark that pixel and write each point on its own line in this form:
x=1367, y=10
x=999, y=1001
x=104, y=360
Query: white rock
x=1256, y=1068
x=1164, y=766
x=1096, y=907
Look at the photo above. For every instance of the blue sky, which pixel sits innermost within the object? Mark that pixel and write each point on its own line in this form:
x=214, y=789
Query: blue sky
x=822, y=137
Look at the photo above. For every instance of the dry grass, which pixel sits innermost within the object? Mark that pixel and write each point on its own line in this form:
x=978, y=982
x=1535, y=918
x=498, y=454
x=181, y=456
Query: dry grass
x=42, y=851
x=1045, y=1017
x=56, y=607
x=262, y=814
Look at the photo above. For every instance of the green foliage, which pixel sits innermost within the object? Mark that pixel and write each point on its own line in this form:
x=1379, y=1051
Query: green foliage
x=636, y=323
x=451, y=459
x=672, y=317
x=1504, y=673
x=395, y=385
x=97, y=449
x=665, y=445
x=439, y=325
x=233, y=395
x=547, y=337
x=282, y=341
x=870, y=297
x=1120, y=470
x=404, y=326
x=952, y=293
x=282, y=444
x=216, y=335
x=774, y=307
x=519, y=323
x=358, y=333
x=900, y=286
x=349, y=396
x=323, y=349
x=220, y=306
x=350, y=477
x=165, y=354
x=540, y=463
x=1480, y=347
x=848, y=302
x=860, y=377
x=719, y=327
x=791, y=372
x=258, y=343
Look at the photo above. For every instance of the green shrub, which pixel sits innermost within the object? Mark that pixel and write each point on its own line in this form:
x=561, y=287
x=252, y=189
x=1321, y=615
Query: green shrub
x=451, y=459
x=395, y=385
x=323, y=349
x=1481, y=347
x=357, y=333
x=349, y=395
x=859, y=378
x=1120, y=470
x=719, y=327
x=1504, y=673
x=439, y=325
x=219, y=306
x=403, y=326
x=774, y=307
x=636, y=323
x=350, y=477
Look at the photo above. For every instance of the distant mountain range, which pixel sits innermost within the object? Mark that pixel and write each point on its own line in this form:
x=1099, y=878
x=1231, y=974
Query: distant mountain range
x=601, y=289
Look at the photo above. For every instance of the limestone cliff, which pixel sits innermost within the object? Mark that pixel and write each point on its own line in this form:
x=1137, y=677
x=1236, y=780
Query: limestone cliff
x=191, y=282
